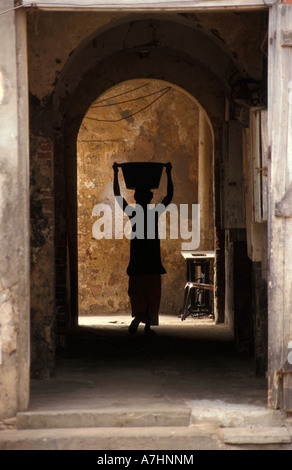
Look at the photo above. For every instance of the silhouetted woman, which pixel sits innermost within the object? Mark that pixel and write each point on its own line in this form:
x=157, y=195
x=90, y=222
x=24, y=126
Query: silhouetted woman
x=145, y=267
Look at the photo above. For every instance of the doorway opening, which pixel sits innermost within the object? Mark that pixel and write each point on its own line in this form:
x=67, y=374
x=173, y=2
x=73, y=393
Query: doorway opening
x=188, y=360
x=140, y=120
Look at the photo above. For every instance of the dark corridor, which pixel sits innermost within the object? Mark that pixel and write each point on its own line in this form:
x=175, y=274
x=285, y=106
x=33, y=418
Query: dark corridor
x=185, y=362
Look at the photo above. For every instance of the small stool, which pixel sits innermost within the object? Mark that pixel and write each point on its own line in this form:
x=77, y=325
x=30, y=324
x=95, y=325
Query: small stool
x=197, y=299
x=196, y=308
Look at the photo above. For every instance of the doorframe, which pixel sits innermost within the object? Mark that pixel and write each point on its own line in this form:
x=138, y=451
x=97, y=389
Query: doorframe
x=280, y=207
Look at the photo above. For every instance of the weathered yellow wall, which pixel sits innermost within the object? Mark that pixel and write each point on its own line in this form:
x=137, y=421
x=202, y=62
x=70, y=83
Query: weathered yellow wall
x=166, y=130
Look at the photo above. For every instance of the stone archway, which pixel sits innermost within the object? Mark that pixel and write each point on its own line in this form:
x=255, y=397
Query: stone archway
x=148, y=120
x=94, y=68
x=170, y=67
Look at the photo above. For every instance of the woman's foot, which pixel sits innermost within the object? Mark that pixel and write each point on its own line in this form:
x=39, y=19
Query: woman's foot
x=134, y=325
x=148, y=331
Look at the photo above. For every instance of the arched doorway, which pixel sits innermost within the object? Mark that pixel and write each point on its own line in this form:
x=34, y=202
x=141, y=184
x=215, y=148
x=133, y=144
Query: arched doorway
x=140, y=120
x=164, y=65
x=92, y=70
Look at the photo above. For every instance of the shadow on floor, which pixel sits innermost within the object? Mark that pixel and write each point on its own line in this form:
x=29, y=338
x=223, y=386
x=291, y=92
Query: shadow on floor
x=105, y=367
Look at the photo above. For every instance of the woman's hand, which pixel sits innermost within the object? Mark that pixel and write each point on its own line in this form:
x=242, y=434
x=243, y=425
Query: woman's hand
x=168, y=167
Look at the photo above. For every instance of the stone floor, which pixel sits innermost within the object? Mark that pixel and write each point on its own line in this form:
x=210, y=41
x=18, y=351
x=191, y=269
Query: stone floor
x=185, y=362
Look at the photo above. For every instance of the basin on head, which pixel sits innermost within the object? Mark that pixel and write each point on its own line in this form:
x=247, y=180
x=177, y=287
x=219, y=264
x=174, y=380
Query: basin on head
x=142, y=174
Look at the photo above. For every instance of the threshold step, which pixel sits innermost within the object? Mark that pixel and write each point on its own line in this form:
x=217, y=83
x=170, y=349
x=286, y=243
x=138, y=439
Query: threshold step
x=144, y=438
x=159, y=438
x=85, y=418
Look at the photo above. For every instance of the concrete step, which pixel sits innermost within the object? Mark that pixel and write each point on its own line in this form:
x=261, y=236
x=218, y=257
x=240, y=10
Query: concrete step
x=113, y=438
x=198, y=425
x=94, y=418
x=194, y=412
x=226, y=414
x=251, y=435
x=165, y=438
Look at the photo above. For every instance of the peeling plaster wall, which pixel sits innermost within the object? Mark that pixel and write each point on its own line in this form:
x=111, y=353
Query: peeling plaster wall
x=9, y=331
x=54, y=36
x=14, y=227
x=167, y=130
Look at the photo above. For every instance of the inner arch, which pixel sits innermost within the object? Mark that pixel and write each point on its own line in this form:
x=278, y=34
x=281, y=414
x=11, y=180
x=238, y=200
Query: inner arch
x=140, y=120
